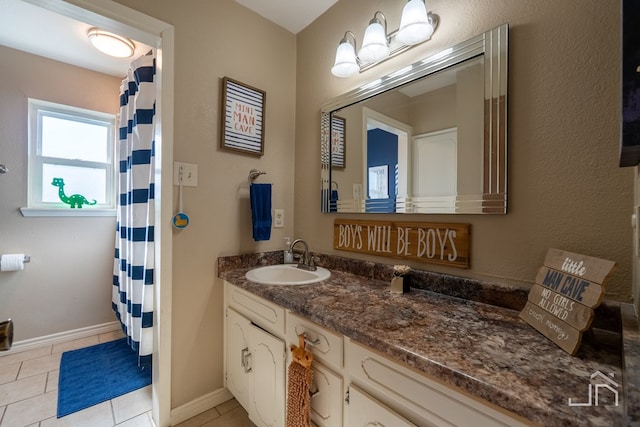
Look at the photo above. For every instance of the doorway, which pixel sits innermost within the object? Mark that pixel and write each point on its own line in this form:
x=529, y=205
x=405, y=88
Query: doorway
x=127, y=22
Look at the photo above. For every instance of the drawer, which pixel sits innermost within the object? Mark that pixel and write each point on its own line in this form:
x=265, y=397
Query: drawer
x=423, y=400
x=260, y=311
x=326, y=346
x=365, y=411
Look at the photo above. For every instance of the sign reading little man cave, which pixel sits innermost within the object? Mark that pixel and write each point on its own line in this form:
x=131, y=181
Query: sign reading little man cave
x=567, y=289
x=436, y=243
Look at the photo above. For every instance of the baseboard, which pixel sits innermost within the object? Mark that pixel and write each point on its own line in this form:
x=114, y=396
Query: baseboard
x=19, y=346
x=199, y=405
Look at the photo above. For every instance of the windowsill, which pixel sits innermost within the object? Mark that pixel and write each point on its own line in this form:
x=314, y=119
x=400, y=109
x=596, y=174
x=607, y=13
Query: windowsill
x=28, y=212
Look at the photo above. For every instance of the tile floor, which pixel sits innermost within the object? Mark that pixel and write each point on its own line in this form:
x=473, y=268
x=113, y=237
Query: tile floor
x=29, y=395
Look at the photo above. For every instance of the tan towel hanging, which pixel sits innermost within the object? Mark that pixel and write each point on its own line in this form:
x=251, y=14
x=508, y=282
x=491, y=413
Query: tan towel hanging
x=299, y=386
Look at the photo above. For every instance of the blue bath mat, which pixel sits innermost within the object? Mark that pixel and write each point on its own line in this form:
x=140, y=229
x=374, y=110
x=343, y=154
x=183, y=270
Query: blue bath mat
x=95, y=374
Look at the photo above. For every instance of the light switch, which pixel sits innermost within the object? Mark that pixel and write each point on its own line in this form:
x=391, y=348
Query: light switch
x=188, y=172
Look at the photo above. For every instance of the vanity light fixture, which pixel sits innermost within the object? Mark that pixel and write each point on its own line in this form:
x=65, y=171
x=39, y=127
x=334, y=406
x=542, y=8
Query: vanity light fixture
x=417, y=25
x=110, y=43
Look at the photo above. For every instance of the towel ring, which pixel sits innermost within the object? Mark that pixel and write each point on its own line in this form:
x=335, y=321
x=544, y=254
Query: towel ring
x=334, y=183
x=254, y=173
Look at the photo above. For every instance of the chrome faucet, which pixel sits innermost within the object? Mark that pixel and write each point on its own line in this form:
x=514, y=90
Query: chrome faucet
x=306, y=262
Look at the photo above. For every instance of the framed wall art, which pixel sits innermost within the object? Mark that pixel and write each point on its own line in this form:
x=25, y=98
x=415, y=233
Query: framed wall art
x=242, y=124
x=338, y=142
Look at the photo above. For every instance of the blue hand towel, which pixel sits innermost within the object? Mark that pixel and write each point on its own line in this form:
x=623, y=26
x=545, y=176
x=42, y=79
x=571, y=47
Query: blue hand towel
x=333, y=205
x=261, y=211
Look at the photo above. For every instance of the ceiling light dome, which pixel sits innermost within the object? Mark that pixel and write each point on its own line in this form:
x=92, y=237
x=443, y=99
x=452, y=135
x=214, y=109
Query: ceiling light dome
x=111, y=44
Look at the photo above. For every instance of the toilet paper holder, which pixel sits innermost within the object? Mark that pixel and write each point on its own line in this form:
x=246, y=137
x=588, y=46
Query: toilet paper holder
x=27, y=258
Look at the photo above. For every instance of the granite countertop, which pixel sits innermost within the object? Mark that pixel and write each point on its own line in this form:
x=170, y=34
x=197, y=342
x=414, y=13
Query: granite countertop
x=483, y=349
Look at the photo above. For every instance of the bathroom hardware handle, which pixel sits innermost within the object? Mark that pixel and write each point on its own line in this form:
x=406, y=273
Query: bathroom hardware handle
x=313, y=393
x=308, y=342
x=4, y=169
x=244, y=360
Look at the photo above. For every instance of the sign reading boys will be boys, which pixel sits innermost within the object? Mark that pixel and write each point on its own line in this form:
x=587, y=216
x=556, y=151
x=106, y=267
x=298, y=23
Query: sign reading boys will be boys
x=436, y=243
x=567, y=289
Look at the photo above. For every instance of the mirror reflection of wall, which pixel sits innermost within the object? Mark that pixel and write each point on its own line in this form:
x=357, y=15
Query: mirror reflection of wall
x=404, y=130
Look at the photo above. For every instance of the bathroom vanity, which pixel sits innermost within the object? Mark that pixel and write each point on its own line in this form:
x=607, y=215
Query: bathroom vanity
x=421, y=358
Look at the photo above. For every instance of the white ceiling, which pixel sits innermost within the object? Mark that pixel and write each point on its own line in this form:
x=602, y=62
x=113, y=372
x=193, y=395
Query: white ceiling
x=30, y=28
x=294, y=15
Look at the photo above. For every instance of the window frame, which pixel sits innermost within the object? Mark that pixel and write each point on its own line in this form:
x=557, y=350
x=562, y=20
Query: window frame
x=37, y=109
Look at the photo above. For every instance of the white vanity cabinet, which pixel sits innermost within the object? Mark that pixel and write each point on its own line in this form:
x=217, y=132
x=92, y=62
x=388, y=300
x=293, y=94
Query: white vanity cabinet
x=379, y=391
x=255, y=359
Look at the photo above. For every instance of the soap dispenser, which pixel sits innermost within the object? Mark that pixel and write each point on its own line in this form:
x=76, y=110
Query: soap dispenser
x=288, y=253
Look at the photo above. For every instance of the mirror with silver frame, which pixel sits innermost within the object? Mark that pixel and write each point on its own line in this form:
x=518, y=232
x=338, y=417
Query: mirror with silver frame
x=429, y=138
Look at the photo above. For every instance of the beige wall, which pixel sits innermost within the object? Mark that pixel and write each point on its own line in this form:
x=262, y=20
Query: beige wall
x=67, y=285
x=214, y=39
x=565, y=188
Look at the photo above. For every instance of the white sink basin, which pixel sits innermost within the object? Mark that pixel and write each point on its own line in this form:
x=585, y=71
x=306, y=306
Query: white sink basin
x=286, y=274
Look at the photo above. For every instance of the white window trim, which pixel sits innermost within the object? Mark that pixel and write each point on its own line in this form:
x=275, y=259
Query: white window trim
x=35, y=212
x=36, y=208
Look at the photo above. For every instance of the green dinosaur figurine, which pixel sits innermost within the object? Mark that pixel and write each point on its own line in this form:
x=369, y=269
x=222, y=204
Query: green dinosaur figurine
x=75, y=200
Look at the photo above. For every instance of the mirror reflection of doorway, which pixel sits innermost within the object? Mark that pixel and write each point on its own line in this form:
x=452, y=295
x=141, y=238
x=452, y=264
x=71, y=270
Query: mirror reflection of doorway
x=382, y=167
x=385, y=143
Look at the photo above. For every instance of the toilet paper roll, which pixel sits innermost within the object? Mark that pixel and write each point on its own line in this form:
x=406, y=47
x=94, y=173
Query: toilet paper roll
x=12, y=262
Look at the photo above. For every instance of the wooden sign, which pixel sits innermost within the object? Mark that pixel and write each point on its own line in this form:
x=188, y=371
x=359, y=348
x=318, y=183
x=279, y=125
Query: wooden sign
x=567, y=289
x=436, y=243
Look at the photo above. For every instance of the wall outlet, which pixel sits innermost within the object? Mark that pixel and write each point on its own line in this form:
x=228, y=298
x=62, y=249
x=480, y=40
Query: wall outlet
x=188, y=172
x=278, y=218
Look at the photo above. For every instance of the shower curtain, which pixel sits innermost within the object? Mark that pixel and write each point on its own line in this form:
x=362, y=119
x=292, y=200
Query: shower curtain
x=133, y=271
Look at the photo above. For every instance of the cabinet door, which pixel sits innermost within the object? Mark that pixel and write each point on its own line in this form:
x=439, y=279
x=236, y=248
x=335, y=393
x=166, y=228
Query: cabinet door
x=326, y=400
x=364, y=411
x=267, y=406
x=237, y=367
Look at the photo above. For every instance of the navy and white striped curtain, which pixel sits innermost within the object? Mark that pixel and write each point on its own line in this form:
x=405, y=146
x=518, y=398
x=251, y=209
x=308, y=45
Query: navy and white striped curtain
x=133, y=271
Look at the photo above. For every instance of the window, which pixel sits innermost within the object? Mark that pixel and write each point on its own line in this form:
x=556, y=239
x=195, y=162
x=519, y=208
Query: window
x=75, y=145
